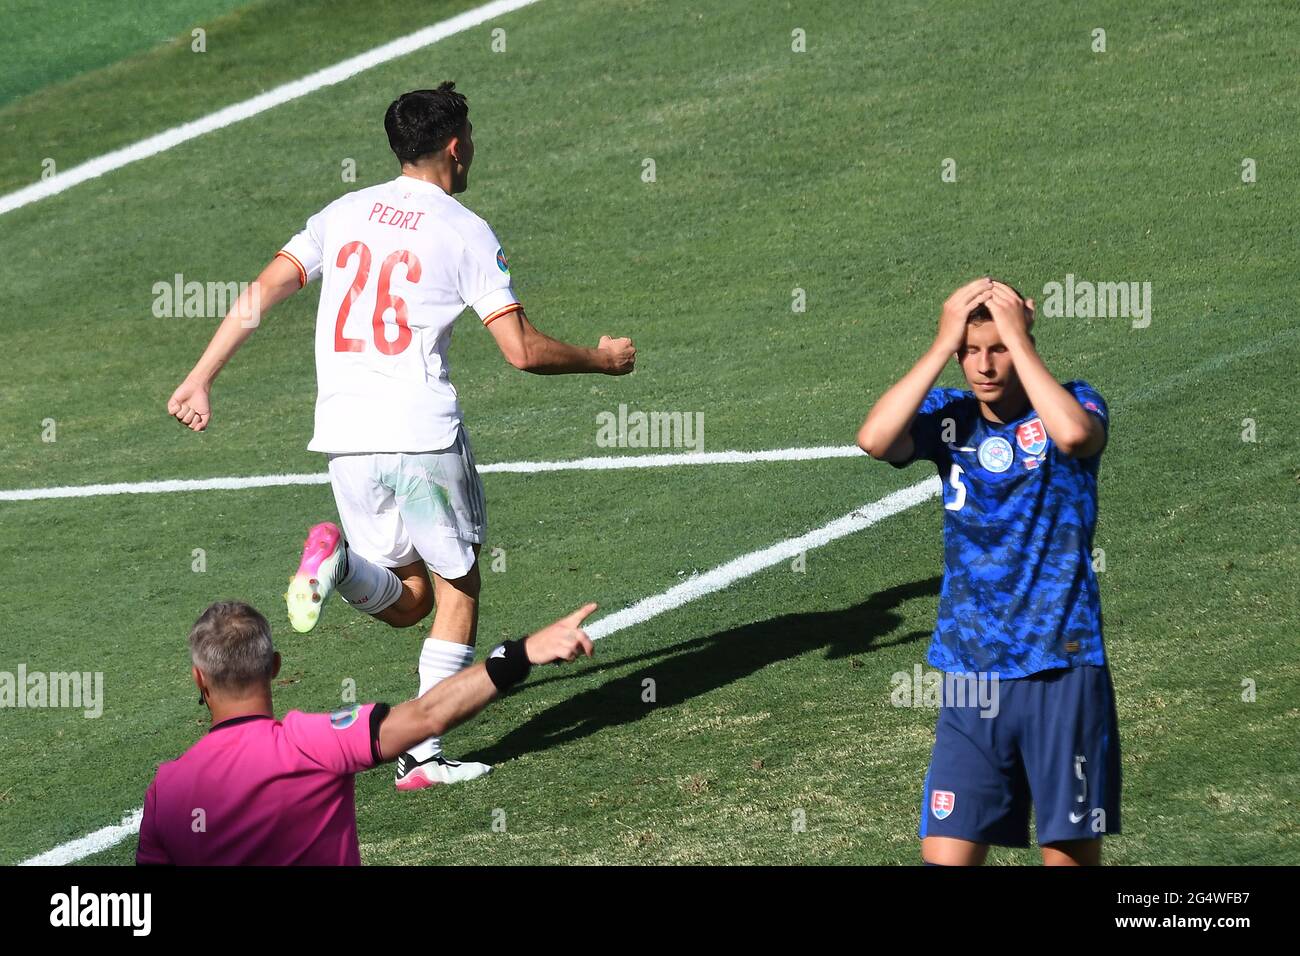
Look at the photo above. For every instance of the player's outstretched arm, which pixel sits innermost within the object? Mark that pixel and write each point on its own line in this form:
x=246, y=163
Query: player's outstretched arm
x=1068, y=424
x=885, y=435
x=532, y=351
x=191, y=403
x=457, y=699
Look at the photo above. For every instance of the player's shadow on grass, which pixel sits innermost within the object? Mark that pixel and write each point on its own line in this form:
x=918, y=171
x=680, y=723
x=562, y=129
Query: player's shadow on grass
x=687, y=670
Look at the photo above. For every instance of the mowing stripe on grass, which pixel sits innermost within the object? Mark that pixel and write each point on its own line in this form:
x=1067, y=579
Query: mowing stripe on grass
x=715, y=580
x=609, y=463
x=236, y=112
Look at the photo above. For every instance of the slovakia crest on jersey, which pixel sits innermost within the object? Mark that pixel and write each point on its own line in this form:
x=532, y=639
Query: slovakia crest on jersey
x=942, y=803
x=995, y=454
x=1032, y=437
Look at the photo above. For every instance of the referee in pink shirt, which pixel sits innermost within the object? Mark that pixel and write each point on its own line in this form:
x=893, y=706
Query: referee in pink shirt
x=261, y=791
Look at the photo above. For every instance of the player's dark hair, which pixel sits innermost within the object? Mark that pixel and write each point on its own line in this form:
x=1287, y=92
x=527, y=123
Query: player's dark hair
x=422, y=122
x=231, y=644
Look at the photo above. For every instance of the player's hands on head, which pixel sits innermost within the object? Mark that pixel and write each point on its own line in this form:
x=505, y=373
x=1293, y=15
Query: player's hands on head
x=561, y=641
x=952, y=320
x=1011, y=313
x=191, y=405
x=620, y=355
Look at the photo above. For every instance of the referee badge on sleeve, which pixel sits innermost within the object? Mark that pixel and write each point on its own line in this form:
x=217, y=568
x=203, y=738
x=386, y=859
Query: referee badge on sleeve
x=344, y=717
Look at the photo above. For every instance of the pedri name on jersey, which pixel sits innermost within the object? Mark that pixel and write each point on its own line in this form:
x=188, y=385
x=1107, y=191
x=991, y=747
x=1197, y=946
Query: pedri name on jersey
x=392, y=216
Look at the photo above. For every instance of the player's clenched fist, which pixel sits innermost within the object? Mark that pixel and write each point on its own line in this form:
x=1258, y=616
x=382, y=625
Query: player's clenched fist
x=952, y=320
x=620, y=355
x=191, y=406
x=561, y=641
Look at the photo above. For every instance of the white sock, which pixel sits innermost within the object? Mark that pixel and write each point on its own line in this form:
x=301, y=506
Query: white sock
x=368, y=586
x=439, y=660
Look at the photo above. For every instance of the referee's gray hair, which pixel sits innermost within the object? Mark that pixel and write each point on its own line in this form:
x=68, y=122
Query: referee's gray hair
x=231, y=644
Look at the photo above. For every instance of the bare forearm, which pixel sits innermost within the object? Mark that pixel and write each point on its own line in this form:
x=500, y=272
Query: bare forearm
x=1066, y=421
x=273, y=286
x=457, y=699
x=890, y=419
x=233, y=332
x=544, y=355
x=532, y=351
x=450, y=703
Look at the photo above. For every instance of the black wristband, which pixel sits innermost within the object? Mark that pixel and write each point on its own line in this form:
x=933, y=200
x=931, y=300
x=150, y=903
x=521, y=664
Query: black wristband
x=377, y=715
x=508, y=664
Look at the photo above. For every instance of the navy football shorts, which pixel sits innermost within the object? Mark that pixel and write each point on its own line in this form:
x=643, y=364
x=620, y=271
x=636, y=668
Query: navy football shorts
x=1052, y=744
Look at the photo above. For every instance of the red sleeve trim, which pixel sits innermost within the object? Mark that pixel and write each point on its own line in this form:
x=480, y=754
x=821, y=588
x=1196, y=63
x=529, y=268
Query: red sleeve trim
x=505, y=310
x=302, y=273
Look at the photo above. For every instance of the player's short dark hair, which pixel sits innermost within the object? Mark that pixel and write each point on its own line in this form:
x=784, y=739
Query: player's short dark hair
x=422, y=122
x=981, y=312
x=231, y=644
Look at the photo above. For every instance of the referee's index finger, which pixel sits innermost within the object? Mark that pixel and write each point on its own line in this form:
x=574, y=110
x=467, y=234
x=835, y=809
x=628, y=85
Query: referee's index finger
x=578, y=616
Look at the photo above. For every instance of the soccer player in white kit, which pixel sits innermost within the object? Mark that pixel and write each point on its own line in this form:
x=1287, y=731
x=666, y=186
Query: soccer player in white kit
x=398, y=263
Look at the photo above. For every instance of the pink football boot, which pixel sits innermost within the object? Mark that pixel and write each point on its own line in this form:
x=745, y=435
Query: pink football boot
x=324, y=562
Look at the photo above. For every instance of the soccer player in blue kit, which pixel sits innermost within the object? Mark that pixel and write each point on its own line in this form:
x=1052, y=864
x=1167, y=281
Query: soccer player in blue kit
x=1018, y=455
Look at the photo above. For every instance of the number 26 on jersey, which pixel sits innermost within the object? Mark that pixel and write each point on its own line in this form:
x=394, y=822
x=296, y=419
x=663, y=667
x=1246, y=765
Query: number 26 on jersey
x=384, y=299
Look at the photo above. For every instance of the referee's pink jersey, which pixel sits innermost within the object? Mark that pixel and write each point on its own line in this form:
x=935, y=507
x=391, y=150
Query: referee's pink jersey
x=263, y=792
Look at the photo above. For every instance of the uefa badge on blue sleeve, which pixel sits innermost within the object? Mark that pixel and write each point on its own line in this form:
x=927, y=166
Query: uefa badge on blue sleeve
x=345, y=717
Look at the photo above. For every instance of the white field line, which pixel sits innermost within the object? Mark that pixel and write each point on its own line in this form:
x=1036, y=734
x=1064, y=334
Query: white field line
x=506, y=467
x=696, y=587
x=749, y=564
x=258, y=104
x=91, y=843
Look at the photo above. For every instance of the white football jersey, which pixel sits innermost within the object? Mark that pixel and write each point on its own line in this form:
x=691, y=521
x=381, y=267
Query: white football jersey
x=399, y=263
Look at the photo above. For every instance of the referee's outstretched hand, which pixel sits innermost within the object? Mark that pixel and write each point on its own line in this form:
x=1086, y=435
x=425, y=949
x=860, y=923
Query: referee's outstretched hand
x=561, y=641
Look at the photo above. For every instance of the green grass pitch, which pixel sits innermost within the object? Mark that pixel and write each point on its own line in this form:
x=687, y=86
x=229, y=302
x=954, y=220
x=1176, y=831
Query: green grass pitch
x=775, y=171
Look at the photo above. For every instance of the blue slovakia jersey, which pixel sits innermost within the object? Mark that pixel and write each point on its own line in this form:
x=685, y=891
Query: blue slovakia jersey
x=1019, y=594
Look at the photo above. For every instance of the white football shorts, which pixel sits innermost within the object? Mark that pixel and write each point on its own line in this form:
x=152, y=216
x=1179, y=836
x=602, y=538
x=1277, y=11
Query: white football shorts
x=399, y=507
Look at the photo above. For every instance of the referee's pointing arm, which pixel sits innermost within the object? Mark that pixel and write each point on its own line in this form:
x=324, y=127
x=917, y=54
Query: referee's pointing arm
x=456, y=699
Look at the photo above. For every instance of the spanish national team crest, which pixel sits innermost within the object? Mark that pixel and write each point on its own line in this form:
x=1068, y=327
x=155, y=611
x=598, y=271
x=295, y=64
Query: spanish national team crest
x=942, y=803
x=501, y=261
x=1032, y=437
x=995, y=454
x=344, y=717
